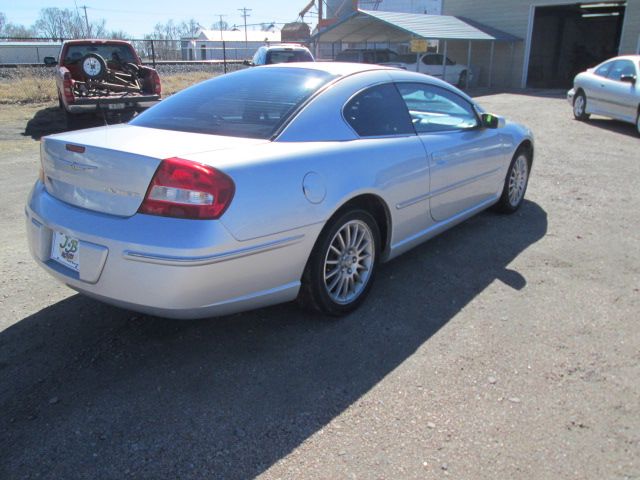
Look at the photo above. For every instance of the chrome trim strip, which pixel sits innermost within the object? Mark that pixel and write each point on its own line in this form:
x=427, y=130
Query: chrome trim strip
x=448, y=188
x=209, y=259
x=413, y=201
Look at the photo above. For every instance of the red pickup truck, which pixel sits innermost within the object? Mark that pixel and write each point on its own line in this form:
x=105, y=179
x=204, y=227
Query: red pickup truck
x=103, y=76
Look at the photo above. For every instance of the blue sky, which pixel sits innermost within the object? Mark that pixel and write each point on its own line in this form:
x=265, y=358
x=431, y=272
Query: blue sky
x=138, y=18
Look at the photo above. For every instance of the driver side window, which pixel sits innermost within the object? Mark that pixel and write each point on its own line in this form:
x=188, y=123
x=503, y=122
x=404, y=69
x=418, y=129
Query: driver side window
x=436, y=109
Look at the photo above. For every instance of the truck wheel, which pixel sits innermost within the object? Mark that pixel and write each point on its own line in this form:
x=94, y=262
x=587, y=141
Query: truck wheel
x=93, y=66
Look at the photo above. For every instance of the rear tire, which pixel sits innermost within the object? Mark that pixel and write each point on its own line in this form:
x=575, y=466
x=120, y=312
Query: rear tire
x=580, y=107
x=342, y=265
x=462, y=80
x=638, y=123
x=515, y=184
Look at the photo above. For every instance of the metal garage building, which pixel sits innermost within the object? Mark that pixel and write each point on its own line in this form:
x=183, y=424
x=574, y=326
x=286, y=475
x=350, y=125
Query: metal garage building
x=373, y=29
x=561, y=37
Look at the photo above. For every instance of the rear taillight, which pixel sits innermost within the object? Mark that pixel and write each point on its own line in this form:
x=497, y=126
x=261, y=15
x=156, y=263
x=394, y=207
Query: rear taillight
x=67, y=87
x=157, y=86
x=185, y=189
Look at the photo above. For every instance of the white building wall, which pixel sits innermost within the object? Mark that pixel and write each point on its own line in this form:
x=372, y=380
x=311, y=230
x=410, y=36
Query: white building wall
x=515, y=17
x=28, y=53
x=431, y=7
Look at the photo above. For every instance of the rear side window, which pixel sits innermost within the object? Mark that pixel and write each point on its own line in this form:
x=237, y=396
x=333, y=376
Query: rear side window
x=251, y=103
x=378, y=111
x=436, y=109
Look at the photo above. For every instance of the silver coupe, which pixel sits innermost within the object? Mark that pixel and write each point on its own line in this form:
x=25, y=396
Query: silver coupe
x=610, y=89
x=267, y=185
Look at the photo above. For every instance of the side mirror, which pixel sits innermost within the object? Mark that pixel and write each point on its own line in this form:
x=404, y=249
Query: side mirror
x=492, y=121
x=628, y=79
x=248, y=63
x=50, y=61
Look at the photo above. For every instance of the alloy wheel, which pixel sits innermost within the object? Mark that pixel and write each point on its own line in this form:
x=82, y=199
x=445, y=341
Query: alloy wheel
x=348, y=262
x=518, y=180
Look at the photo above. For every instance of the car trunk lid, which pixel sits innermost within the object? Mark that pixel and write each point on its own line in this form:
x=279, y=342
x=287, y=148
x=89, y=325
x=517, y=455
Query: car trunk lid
x=109, y=169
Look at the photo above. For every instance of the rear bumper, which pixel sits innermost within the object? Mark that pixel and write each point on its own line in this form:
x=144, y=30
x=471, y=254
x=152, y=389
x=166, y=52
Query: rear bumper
x=119, y=104
x=165, y=266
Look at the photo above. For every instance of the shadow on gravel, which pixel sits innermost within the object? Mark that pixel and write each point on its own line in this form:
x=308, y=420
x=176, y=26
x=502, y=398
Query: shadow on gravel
x=52, y=120
x=92, y=391
x=614, y=126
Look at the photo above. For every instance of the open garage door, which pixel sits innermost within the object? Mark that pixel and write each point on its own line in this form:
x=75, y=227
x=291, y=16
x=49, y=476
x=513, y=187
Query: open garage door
x=568, y=39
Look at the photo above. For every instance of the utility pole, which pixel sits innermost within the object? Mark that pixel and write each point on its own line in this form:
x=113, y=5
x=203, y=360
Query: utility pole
x=244, y=11
x=86, y=21
x=224, y=48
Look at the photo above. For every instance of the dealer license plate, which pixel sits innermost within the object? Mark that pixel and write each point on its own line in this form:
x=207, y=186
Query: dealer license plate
x=116, y=106
x=66, y=250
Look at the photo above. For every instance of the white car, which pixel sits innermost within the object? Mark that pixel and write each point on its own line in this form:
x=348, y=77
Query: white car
x=610, y=89
x=282, y=53
x=432, y=64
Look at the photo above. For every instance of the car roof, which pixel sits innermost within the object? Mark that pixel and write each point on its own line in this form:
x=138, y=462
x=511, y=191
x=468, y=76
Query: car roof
x=285, y=45
x=333, y=68
x=96, y=41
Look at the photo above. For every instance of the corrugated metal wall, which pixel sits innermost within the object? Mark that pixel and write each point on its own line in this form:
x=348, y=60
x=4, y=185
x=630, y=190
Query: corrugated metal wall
x=513, y=16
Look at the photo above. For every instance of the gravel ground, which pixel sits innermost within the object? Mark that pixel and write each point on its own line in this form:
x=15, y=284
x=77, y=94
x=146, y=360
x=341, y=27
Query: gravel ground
x=505, y=348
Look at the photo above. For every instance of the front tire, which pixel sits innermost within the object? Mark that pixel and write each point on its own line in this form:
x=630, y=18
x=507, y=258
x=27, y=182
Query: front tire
x=515, y=184
x=580, y=107
x=638, y=123
x=342, y=265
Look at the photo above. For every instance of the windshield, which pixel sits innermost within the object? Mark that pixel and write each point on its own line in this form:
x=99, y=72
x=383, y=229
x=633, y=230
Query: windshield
x=251, y=103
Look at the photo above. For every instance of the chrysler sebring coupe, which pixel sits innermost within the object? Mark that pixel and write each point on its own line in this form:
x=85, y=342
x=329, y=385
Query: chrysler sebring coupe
x=267, y=185
x=610, y=89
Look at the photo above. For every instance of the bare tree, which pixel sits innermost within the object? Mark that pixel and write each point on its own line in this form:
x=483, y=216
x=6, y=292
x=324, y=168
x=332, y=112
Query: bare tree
x=118, y=35
x=166, y=37
x=9, y=29
x=55, y=22
x=220, y=25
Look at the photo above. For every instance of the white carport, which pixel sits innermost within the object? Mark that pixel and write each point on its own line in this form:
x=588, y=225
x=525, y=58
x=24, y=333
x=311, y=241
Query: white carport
x=364, y=26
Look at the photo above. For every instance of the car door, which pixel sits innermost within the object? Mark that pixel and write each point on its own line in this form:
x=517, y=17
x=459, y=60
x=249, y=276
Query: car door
x=389, y=147
x=621, y=98
x=594, y=86
x=466, y=161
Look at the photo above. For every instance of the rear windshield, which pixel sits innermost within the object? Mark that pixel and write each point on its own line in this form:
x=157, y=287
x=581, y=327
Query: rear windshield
x=251, y=103
x=123, y=53
x=284, y=56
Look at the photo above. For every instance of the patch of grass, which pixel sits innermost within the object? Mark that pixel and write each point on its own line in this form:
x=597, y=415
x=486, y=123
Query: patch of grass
x=179, y=81
x=30, y=88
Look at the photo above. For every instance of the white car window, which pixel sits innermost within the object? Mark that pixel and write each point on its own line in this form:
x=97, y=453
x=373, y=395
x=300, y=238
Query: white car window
x=621, y=67
x=603, y=70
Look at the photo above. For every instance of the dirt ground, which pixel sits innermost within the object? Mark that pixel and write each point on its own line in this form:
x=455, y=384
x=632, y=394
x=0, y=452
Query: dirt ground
x=506, y=348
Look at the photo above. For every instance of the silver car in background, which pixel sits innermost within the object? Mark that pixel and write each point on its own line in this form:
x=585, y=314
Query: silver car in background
x=610, y=89
x=267, y=185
